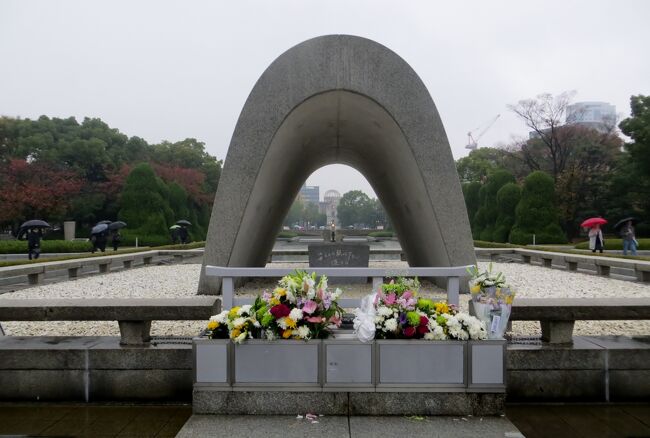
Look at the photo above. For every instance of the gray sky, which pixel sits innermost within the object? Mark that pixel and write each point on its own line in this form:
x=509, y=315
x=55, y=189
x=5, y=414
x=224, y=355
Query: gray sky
x=167, y=70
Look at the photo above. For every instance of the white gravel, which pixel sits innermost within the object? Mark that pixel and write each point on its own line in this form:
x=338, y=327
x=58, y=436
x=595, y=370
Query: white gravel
x=182, y=280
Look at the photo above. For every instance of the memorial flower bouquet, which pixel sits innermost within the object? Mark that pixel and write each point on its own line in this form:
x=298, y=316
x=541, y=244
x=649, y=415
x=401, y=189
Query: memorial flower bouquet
x=492, y=299
x=238, y=323
x=301, y=307
x=401, y=314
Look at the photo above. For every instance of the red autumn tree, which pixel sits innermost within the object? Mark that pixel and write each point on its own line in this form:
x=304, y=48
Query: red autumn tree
x=35, y=190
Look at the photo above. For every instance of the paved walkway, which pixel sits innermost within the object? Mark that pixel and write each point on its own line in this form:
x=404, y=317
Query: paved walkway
x=354, y=427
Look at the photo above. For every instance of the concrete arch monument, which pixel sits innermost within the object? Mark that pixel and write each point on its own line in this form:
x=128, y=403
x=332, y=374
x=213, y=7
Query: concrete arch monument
x=338, y=99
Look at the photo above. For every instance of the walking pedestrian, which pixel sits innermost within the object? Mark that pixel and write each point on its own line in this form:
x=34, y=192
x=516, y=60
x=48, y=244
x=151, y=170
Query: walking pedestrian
x=34, y=243
x=183, y=235
x=629, y=238
x=596, y=242
x=116, y=238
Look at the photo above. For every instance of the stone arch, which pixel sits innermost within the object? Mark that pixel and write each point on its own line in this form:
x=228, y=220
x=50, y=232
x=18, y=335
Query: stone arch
x=338, y=99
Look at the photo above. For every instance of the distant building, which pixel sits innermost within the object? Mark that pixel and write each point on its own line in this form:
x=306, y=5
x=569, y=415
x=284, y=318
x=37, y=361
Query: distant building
x=330, y=205
x=600, y=116
x=310, y=194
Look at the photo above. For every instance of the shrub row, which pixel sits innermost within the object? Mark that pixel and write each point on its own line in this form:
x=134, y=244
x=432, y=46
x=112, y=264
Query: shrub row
x=616, y=244
x=381, y=234
x=62, y=246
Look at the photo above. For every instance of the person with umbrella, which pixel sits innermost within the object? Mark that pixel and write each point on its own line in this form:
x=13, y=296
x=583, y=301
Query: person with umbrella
x=34, y=235
x=116, y=237
x=596, y=241
x=175, y=233
x=98, y=237
x=182, y=231
x=627, y=234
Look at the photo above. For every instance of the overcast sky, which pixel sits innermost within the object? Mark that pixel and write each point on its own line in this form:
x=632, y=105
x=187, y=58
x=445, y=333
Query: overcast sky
x=167, y=70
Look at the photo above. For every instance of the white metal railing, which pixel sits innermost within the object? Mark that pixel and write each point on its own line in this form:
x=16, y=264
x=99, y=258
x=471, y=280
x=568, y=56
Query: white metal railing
x=228, y=274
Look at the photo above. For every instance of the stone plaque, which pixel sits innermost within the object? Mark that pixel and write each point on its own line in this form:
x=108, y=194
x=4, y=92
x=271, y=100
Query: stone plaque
x=340, y=255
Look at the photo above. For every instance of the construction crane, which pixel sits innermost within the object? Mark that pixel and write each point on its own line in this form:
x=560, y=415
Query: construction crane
x=472, y=142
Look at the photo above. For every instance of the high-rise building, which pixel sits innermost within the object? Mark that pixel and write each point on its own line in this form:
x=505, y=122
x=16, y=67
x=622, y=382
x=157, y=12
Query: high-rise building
x=600, y=116
x=310, y=194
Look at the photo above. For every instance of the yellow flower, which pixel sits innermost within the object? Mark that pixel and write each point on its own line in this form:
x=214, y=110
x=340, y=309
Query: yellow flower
x=290, y=322
x=234, y=333
x=498, y=293
x=287, y=334
x=509, y=299
x=213, y=325
x=475, y=289
x=280, y=292
x=441, y=307
x=275, y=301
x=233, y=312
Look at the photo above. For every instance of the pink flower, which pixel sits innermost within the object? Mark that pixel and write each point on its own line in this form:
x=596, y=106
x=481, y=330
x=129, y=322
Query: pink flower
x=406, y=295
x=335, y=320
x=309, y=307
x=315, y=319
x=390, y=299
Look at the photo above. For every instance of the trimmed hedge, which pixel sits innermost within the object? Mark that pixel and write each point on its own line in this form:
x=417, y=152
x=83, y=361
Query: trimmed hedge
x=381, y=234
x=192, y=245
x=484, y=244
x=616, y=244
x=287, y=234
x=47, y=246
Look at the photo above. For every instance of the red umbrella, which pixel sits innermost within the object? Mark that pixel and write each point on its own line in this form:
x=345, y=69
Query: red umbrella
x=593, y=221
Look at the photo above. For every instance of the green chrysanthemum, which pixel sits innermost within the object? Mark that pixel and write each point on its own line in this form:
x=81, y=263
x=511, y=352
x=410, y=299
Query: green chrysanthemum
x=413, y=318
x=425, y=305
x=267, y=319
x=441, y=320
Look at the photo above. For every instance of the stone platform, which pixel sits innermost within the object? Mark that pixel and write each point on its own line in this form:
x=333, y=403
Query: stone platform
x=353, y=426
x=213, y=400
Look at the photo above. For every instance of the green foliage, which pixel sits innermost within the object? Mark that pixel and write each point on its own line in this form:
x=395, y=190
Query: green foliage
x=381, y=234
x=355, y=207
x=472, y=200
x=616, y=244
x=536, y=212
x=144, y=206
x=287, y=234
x=47, y=246
x=507, y=199
x=486, y=216
x=482, y=244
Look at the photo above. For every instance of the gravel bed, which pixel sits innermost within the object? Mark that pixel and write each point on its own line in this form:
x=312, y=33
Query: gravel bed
x=182, y=280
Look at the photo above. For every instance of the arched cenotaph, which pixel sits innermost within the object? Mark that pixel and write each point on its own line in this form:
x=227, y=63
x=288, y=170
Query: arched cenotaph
x=338, y=99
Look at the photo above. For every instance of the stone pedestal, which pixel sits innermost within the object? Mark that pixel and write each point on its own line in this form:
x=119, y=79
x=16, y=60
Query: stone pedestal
x=69, y=230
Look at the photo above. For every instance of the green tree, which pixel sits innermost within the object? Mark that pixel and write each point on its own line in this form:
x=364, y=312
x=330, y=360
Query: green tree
x=472, y=202
x=486, y=216
x=508, y=197
x=536, y=212
x=294, y=215
x=144, y=207
x=355, y=207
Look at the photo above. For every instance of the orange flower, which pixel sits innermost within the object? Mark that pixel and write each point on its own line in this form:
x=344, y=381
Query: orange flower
x=287, y=333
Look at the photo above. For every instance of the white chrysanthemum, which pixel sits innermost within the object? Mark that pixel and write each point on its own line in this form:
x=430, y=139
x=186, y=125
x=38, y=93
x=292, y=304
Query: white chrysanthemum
x=379, y=319
x=270, y=335
x=256, y=323
x=391, y=324
x=439, y=334
x=238, y=322
x=429, y=336
x=384, y=311
x=221, y=318
x=303, y=332
x=244, y=309
x=282, y=322
x=295, y=314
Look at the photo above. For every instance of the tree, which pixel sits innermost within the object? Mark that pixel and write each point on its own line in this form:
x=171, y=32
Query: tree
x=508, y=197
x=472, y=200
x=35, y=190
x=536, y=212
x=483, y=161
x=355, y=207
x=144, y=208
x=486, y=216
x=544, y=115
x=294, y=215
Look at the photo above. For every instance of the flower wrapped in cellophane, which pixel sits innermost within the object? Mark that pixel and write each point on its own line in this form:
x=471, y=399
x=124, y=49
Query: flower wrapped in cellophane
x=492, y=299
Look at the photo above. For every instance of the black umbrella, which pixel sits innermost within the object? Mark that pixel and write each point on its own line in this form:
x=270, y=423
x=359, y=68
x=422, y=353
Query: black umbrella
x=183, y=222
x=35, y=223
x=99, y=228
x=116, y=225
x=622, y=222
x=104, y=222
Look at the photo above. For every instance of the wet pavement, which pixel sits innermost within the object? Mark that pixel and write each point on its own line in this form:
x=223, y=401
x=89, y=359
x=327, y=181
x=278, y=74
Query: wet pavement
x=532, y=421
